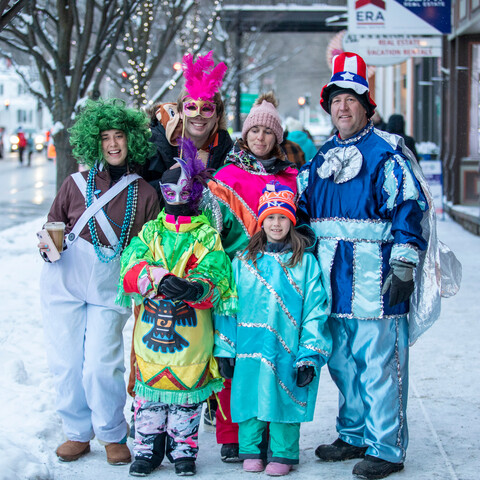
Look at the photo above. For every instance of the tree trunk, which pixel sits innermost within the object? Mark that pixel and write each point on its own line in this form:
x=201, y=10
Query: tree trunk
x=66, y=163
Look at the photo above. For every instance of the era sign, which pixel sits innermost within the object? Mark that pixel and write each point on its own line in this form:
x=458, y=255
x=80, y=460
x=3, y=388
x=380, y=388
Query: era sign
x=406, y=17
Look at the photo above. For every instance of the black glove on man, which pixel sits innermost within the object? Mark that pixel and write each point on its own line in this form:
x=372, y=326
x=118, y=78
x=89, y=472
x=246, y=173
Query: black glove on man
x=400, y=282
x=176, y=288
x=305, y=375
x=226, y=366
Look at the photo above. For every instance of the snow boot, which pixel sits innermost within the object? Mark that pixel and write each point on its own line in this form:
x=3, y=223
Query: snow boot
x=72, y=450
x=118, y=453
x=372, y=468
x=275, y=469
x=253, y=465
x=229, y=453
x=339, y=451
x=143, y=466
x=185, y=467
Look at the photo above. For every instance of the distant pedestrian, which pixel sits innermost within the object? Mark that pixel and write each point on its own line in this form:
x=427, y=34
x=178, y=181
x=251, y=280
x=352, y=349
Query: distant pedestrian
x=378, y=121
x=22, y=143
x=296, y=133
x=293, y=151
x=396, y=124
x=30, y=149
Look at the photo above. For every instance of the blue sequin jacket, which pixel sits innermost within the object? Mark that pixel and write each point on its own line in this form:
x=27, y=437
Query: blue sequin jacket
x=365, y=205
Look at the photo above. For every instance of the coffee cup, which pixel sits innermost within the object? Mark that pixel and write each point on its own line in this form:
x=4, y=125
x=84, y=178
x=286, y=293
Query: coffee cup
x=56, y=230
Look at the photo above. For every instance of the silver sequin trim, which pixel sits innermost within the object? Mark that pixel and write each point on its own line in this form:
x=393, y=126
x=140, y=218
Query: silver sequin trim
x=289, y=276
x=210, y=202
x=225, y=339
x=236, y=216
x=400, y=388
x=305, y=363
x=354, y=268
x=254, y=272
x=314, y=349
x=364, y=132
x=266, y=326
x=350, y=316
x=274, y=369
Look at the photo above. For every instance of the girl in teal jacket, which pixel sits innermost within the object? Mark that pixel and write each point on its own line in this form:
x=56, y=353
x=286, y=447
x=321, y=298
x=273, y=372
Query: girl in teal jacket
x=280, y=340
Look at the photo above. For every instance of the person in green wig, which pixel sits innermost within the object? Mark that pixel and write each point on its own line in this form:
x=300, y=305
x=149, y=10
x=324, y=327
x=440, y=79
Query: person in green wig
x=102, y=208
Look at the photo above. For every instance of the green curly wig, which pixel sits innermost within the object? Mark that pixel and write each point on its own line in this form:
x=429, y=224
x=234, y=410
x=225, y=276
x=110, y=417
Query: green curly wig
x=100, y=115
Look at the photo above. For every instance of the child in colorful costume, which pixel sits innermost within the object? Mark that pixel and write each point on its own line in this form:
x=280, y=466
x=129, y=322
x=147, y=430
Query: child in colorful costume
x=281, y=338
x=83, y=326
x=177, y=269
x=254, y=161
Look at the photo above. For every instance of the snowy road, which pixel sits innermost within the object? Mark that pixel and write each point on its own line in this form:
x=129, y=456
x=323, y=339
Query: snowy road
x=443, y=410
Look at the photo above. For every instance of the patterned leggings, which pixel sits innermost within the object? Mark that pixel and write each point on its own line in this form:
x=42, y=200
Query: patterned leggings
x=162, y=428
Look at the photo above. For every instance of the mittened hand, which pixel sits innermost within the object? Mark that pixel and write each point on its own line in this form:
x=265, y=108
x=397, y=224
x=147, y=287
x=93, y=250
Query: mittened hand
x=305, y=375
x=176, y=288
x=400, y=282
x=226, y=366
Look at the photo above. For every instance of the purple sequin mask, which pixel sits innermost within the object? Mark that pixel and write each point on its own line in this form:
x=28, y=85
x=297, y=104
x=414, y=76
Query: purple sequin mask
x=176, y=193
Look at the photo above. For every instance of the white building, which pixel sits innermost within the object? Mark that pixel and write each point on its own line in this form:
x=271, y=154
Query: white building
x=18, y=108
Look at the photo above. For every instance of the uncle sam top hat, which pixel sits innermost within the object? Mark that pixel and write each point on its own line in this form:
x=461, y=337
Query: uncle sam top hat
x=349, y=75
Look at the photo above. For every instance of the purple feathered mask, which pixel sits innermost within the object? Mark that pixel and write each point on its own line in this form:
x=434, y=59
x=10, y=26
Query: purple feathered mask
x=193, y=177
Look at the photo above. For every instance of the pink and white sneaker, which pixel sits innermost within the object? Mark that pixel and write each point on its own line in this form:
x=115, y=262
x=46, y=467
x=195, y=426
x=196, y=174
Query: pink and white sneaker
x=253, y=465
x=276, y=469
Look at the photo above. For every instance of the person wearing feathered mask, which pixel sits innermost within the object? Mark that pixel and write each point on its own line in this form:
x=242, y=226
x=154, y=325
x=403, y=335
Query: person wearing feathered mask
x=198, y=114
x=177, y=271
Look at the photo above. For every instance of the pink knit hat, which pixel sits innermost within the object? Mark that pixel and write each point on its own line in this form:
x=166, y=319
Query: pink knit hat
x=264, y=113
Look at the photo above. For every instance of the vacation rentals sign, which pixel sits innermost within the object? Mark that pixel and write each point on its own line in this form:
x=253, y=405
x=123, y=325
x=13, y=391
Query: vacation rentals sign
x=404, y=17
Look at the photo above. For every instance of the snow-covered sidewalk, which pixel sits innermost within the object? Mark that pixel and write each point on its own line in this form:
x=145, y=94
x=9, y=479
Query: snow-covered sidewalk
x=443, y=410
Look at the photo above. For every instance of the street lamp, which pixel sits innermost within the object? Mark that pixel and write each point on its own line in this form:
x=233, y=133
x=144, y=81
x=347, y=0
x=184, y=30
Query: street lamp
x=177, y=66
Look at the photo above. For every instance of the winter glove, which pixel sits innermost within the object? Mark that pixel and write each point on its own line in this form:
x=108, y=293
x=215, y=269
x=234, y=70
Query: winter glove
x=305, y=375
x=226, y=366
x=176, y=288
x=400, y=282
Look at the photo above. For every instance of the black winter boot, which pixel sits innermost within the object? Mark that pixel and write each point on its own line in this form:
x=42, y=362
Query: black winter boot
x=142, y=466
x=185, y=467
x=372, y=468
x=229, y=453
x=339, y=451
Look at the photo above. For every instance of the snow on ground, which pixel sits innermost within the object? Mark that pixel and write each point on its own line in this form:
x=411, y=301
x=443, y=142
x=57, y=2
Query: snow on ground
x=443, y=410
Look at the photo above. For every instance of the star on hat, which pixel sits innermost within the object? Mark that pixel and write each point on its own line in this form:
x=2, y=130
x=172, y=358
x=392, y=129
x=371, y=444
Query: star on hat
x=347, y=76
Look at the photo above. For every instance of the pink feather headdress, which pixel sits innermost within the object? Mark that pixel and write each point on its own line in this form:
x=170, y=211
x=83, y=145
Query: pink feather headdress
x=202, y=78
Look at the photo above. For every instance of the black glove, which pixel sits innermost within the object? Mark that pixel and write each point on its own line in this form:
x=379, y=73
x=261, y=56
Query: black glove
x=176, y=288
x=305, y=375
x=400, y=282
x=226, y=366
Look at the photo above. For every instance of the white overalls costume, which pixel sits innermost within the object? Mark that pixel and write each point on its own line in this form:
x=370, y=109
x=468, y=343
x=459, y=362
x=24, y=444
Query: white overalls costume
x=83, y=329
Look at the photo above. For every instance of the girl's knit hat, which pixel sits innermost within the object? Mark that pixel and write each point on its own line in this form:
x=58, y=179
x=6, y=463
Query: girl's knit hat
x=264, y=113
x=276, y=198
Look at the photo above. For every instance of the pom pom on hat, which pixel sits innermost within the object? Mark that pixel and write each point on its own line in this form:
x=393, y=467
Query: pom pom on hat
x=349, y=73
x=276, y=198
x=264, y=113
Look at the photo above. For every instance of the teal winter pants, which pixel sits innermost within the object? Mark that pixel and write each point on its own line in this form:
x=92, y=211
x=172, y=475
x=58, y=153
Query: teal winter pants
x=283, y=442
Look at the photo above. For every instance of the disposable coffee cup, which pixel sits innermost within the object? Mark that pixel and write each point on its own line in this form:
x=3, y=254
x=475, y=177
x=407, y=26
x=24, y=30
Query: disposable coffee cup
x=56, y=230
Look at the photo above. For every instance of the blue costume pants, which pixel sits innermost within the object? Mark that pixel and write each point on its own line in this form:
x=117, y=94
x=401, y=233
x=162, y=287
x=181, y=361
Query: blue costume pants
x=369, y=365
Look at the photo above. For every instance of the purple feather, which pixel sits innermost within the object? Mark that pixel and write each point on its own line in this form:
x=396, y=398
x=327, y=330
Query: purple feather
x=194, y=168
